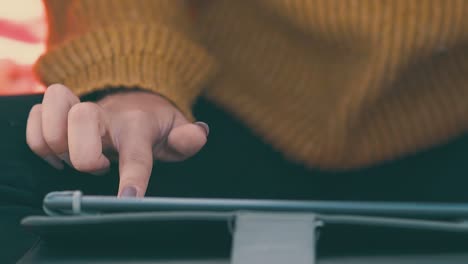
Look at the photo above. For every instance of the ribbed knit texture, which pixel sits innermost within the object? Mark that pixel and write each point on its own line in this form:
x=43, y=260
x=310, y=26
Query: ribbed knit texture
x=330, y=83
x=145, y=43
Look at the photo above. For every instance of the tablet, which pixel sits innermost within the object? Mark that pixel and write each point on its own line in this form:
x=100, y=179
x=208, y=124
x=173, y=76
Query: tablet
x=88, y=226
x=73, y=214
x=74, y=202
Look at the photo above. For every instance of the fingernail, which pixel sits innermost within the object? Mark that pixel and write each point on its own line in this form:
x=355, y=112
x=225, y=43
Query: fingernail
x=100, y=172
x=66, y=158
x=54, y=162
x=204, y=126
x=129, y=191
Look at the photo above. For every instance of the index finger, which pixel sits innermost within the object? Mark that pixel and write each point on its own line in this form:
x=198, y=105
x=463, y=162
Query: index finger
x=135, y=162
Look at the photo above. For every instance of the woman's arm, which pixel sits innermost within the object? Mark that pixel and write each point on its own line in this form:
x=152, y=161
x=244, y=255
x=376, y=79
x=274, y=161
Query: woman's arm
x=149, y=44
x=95, y=45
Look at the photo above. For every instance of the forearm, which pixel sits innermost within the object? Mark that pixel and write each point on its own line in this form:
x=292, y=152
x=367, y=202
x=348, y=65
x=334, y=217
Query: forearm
x=121, y=43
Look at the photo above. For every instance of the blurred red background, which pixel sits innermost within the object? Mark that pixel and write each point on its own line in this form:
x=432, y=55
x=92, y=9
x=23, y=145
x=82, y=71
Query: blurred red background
x=22, y=35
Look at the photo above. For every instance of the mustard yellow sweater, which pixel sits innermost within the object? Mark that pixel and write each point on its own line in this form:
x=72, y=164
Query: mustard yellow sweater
x=330, y=83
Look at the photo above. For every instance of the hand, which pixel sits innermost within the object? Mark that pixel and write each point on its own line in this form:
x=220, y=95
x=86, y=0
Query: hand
x=137, y=127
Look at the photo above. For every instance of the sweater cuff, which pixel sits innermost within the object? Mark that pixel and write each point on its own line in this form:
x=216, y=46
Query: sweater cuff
x=151, y=57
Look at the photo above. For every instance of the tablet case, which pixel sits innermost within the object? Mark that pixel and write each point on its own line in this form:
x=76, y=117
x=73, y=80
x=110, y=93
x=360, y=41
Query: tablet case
x=96, y=229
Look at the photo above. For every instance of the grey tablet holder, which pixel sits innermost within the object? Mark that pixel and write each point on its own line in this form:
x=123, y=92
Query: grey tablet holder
x=274, y=237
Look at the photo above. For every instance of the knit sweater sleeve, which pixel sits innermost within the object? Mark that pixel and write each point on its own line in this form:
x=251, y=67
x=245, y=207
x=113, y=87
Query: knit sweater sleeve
x=149, y=44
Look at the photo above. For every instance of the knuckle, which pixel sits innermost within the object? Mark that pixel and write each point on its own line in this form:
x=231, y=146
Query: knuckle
x=56, y=141
x=56, y=90
x=58, y=93
x=138, y=120
x=136, y=163
x=136, y=115
x=139, y=159
x=82, y=112
x=36, y=108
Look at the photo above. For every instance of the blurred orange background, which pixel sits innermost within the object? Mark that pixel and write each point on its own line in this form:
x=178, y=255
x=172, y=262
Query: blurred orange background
x=22, y=35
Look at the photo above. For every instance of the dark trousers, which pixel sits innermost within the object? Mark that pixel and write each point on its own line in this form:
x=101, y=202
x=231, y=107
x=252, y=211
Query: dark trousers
x=234, y=163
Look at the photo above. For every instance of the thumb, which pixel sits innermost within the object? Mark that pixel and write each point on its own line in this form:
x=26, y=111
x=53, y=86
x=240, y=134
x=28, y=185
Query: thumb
x=135, y=162
x=183, y=142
